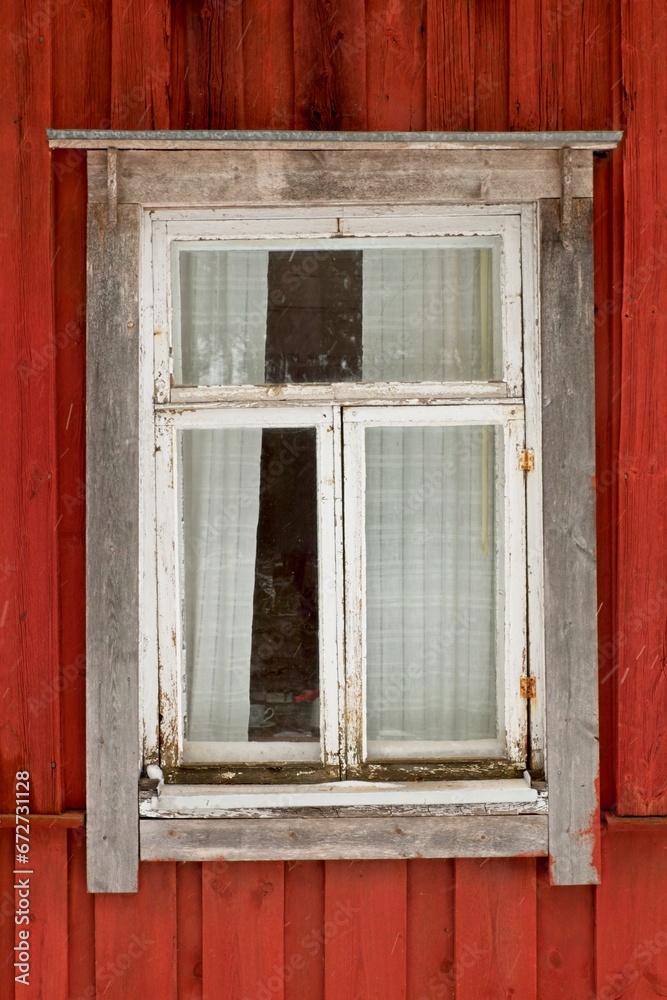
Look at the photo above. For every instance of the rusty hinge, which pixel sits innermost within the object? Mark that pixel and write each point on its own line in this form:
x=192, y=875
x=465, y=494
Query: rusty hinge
x=527, y=460
x=528, y=687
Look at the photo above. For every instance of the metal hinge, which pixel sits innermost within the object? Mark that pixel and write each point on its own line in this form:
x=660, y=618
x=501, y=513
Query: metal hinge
x=527, y=460
x=528, y=687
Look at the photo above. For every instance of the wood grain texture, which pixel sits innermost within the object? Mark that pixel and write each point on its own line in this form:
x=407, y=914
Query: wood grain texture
x=7, y=903
x=189, y=931
x=135, y=938
x=81, y=915
x=450, y=65
x=304, y=930
x=495, y=930
x=28, y=558
x=365, y=930
x=642, y=538
x=569, y=542
x=566, y=939
x=290, y=177
x=631, y=913
x=140, y=63
x=310, y=839
x=396, y=65
x=112, y=627
x=331, y=39
x=243, y=918
x=430, y=928
x=48, y=914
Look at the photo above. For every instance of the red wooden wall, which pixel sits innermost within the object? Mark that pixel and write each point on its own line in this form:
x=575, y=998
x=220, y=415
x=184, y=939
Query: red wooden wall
x=391, y=930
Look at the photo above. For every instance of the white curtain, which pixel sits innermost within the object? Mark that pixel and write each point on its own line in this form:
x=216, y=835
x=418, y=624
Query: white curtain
x=223, y=296
x=430, y=505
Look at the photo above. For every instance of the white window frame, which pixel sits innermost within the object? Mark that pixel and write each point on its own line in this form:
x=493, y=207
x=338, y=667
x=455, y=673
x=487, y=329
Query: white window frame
x=134, y=178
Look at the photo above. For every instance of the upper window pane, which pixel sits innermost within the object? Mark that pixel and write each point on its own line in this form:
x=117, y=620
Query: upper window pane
x=393, y=310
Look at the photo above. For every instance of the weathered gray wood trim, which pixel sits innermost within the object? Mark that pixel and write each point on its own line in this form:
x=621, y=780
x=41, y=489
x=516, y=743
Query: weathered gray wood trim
x=265, y=139
x=569, y=541
x=212, y=179
x=327, y=838
x=112, y=546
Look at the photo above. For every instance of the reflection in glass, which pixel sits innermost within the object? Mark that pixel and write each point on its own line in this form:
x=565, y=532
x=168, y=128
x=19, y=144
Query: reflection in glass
x=433, y=576
x=250, y=584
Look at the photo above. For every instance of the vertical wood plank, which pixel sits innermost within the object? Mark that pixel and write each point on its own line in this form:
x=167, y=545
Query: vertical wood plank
x=304, y=930
x=243, y=917
x=330, y=51
x=140, y=63
x=450, y=65
x=82, y=37
x=495, y=929
x=48, y=915
x=80, y=921
x=112, y=627
x=642, y=541
x=631, y=912
x=28, y=557
x=189, y=930
x=365, y=930
x=396, y=65
x=525, y=65
x=492, y=68
x=430, y=929
x=7, y=913
x=268, y=65
x=135, y=938
x=569, y=542
x=566, y=939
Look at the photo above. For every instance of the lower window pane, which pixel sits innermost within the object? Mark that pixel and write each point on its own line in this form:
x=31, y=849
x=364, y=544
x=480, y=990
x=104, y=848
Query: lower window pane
x=434, y=620
x=250, y=584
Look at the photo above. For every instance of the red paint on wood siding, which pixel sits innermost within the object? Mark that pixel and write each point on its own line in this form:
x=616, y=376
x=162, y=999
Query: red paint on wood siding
x=430, y=929
x=189, y=931
x=365, y=930
x=495, y=929
x=80, y=922
x=140, y=61
x=243, y=920
x=304, y=937
x=566, y=939
x=396, y=65
x=642, y=535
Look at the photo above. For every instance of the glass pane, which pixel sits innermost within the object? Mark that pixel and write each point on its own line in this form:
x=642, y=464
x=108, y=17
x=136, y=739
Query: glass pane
x=434, y=542
x=250, y=584
x=406, y=313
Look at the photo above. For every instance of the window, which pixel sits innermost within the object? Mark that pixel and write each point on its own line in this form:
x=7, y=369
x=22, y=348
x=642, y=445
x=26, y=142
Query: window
x=339, y=541
x=340, y=505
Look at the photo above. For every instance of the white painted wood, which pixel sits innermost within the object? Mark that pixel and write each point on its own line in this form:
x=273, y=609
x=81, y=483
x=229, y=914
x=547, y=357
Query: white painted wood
x=174, y=178
x=350, y=393
x=332, y=838
x=198, y=752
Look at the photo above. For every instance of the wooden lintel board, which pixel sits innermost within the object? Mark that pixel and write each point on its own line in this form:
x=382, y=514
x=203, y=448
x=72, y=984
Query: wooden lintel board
x=329, y=839
x=211, y=178
x=570, y=602
x=112, y=547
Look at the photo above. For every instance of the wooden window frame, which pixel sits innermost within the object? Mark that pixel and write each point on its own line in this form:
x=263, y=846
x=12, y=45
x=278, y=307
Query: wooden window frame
x=550, y=174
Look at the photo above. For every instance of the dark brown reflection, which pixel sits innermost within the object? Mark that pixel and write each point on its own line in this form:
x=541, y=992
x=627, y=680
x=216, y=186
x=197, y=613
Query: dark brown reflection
x=314, y=316
x=284, y=673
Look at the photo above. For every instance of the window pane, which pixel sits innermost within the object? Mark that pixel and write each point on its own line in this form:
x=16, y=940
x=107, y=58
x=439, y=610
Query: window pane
x=434, y=562
x=250, y=584
x=405, y=313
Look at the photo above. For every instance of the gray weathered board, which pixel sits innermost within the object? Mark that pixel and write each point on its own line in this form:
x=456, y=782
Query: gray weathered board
x=112, y=546
x=570, y=603
x=328, y=839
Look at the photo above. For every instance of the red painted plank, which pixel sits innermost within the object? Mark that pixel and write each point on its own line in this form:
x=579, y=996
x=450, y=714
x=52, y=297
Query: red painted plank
x=267, y=49
x=243, y=916
x=631, y=914
x=396, y=65
x=207, y=77
x=566, y=939
x=495, y=929
x=525, y=69
x=430, y=929
x=304, y=930
x=189, y=930
x=7, y=913
x=492, y=69
x=47, y=924
x=330, y=46
x=365, y=930
x=28, y=563
x=135, y=937
x=81, y=922
x=140, y=62
x=642, y=532
x=450, y=65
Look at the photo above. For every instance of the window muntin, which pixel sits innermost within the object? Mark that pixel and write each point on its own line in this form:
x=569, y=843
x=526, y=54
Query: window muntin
x=501, y=325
